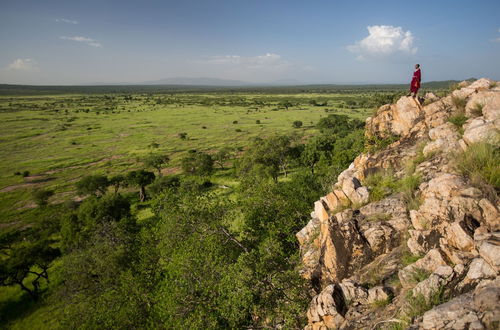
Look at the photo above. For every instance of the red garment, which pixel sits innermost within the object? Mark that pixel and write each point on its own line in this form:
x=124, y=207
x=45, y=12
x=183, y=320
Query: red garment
x=415, y=81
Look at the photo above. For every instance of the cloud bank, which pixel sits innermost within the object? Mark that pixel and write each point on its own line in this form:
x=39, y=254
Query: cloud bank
x=384, y=40
x=266, y=61
x=89, y=41
x=23, y=64
x=64, y=20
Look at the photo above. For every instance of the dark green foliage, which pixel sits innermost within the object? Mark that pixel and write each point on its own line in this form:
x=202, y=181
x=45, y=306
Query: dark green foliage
x=266, y=158
x=183, y=136
x=109, y=208
x=332, y=153
x=41, y=196
x=222, y=155
x=117, y=181
x=335, y=124
x=214, y=276
x=102, y=285
x=163, y=183
x=156, y=161
x=27, y=257
x=201, y=164
x=140, y=178
x=26, y=173
x=297, y=124
x=92, y=185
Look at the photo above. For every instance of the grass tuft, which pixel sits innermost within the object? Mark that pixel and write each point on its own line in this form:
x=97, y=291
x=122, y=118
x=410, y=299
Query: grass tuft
x=381, y=303
x=419, y=274
x=480, y=162
x=380, y=184
x=375, y=143
x=408, y=258
x=459, y=103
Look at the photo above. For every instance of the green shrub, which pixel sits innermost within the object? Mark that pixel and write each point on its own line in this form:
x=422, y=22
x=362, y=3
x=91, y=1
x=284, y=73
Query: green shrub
x=407, y=258
x=297, y=124
x=380, y=184
x=376, y=143
x=41, y=196
x=418, y=304
x=480, y=163
x=419, y=274
x=381, y=303
x=459, y=102
x=458, y=120
x=454, y=87
x=408, y=185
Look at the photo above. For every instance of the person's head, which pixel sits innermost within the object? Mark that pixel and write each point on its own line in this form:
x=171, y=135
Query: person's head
x=417, y=66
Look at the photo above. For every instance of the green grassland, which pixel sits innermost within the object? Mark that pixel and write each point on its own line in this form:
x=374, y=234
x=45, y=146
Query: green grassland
x=60, y=138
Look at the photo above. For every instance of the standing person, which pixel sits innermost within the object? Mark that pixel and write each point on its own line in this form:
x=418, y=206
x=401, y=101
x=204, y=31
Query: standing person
x=415, y=81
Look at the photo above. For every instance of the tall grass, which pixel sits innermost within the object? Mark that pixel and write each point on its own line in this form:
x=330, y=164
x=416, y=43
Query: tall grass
x=481, y=162
x=382, y=184
x=459, y=102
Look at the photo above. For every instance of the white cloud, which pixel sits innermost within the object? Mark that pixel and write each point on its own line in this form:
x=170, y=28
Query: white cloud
x=23, y=64
x=268, y=60
x=88, y=41
x=65, y=20
x=383, y=40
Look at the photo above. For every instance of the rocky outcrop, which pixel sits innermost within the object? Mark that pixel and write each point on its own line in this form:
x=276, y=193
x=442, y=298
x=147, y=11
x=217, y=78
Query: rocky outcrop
x=440, y=241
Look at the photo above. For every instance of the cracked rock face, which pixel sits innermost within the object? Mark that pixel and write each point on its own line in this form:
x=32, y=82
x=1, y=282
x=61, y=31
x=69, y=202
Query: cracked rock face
x=366, y=260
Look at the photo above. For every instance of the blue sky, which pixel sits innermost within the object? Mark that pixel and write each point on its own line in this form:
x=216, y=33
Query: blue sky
x=75, y=42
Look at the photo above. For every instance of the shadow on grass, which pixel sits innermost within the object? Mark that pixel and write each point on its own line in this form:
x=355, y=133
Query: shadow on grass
x=16, y=308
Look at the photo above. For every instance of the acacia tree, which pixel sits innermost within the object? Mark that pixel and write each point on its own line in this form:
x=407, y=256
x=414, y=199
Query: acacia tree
x=222, y=156
x=156, y=161
x=268, y=157
x=198, y=164
x=140, y=178
x=28, y=259
x=96, y=184
x=117, y=181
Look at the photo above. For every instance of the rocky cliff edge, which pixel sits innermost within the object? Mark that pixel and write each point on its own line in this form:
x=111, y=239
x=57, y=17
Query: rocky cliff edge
x=405, y=239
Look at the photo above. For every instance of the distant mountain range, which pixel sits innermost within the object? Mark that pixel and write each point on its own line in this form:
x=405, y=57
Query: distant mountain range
x=202, y=81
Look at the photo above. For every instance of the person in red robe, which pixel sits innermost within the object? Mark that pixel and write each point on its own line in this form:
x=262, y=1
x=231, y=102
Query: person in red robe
x=415, y=81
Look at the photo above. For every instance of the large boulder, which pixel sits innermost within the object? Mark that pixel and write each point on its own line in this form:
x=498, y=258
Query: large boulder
x=486, y=104
x=396, y=119
x=477, y=309
x=328, y=308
